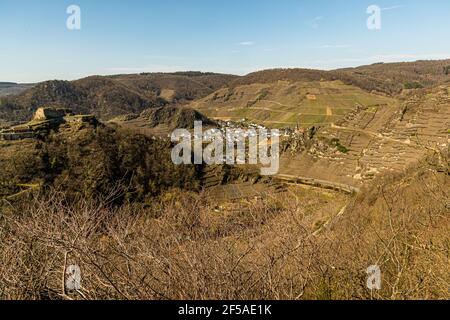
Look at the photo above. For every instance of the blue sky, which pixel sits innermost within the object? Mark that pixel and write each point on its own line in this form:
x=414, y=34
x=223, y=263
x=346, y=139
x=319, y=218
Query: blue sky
x=230, y=36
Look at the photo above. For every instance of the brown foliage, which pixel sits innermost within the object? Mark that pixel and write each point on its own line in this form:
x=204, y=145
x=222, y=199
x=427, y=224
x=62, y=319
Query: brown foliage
x=180, y=248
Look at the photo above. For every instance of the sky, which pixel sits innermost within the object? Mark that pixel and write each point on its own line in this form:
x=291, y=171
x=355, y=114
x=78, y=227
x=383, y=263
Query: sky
x=227, y=36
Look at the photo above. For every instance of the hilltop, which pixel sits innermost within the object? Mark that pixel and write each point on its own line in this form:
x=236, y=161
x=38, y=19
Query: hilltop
x=108, y=97
x=7, y=84
x=8, y=88
x=87, y=158
x=385, y=78
x=111, y=96
x=162, y=121
x=394, y=77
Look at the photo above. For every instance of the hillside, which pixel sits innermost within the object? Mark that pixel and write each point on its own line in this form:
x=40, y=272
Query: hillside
x=256, y=249
x=375, y=141
x=7, y=84
x=7, y=88
x=105, y=194
x=176, y=87
x=287, y=103
x=111, y=96
x=108, y=97
x=162, y=121
x=386, y=78
x=393, y=77
x=88, y=159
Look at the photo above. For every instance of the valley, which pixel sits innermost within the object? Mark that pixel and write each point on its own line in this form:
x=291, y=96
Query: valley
x=334, y=135
x=286, y=104
x=364, y=173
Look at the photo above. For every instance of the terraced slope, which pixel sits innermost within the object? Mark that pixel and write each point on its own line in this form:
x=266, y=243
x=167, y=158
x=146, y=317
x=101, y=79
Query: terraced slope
x=379, y=139
x=287, y=104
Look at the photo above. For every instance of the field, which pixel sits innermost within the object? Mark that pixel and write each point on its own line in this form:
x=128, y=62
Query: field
x=287, y=104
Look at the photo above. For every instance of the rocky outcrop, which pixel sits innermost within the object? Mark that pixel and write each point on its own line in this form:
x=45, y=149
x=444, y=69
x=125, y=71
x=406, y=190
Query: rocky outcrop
x=44, y=120
x=43, y=114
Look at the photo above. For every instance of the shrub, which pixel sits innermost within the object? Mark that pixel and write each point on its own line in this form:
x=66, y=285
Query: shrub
x=413, y=85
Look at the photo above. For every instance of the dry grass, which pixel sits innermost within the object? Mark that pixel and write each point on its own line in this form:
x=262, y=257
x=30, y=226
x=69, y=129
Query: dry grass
x=179, y=248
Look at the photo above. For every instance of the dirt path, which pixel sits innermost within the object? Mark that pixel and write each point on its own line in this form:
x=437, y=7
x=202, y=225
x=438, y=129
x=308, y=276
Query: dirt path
x=319, y=183
x=329, y=111
x=372, y=134
x=267, y=109
x=277, y=103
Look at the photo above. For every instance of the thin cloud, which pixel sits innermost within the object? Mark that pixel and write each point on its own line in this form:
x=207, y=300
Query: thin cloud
x=409, y=57
x=271, y=49
x=155, y=56
x=386, y=58
x=148, y=68
x=246, y=43
x=392, y=8
x=332, y=46
x=315, y=23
